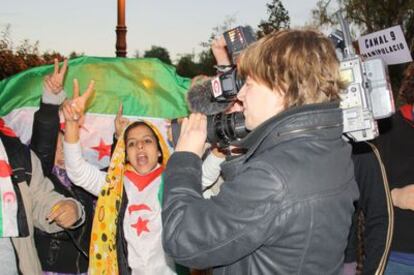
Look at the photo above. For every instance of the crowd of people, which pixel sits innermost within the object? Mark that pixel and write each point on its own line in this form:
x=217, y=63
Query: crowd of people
x=292, y=197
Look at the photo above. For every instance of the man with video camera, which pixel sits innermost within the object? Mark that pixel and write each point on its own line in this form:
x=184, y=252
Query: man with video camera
x=286, y=204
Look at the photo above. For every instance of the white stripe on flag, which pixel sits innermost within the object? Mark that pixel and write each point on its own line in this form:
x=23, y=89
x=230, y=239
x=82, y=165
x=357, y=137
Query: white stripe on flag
x=8, y=201
x=97, y=128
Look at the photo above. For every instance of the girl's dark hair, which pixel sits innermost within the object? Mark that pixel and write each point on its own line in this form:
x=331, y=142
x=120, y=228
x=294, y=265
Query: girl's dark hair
x=360, y=247
x=142, y=123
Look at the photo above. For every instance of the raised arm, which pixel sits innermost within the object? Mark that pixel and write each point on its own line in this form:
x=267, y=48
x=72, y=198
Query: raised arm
x=80, y=172
x=121, y=123
x=46, y=119
x=219, y=48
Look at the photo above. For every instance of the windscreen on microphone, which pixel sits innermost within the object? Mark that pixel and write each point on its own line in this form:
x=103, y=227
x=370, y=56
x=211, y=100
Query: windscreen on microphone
x=200, y=100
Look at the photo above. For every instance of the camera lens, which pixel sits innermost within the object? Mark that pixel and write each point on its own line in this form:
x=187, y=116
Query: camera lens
x=222, y=129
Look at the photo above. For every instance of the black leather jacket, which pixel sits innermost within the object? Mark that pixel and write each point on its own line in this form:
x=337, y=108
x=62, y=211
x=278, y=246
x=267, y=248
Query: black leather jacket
x=285, y=206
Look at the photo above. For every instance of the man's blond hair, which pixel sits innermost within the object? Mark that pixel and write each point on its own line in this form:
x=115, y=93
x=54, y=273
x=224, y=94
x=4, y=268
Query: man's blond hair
x=301, y=64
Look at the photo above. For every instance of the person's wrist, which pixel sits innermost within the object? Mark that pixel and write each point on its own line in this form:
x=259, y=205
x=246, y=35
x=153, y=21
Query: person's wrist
x=223, y=60
x=223, y=68
x=395, y=195
x=55, y=98
x=71, y=123
x=221, y=56
x=189, y=148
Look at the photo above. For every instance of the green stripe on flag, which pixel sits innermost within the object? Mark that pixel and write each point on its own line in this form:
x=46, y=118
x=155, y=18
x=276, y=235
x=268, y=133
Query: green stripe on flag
x=146, y=87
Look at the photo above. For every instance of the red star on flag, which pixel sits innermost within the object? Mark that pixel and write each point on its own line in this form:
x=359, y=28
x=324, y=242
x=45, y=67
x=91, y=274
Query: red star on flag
x=141, y=226
x=5, y=169
x=103, y=149
x=6, y=130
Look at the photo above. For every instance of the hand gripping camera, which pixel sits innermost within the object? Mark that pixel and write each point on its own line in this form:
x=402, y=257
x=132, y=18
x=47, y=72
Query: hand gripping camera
x=213, y=97
x=226, y=85
x=223, y=128
x=368, y=96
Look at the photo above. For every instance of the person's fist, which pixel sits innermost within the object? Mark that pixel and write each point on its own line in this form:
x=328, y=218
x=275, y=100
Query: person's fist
x=403, y=197
x=64, y=213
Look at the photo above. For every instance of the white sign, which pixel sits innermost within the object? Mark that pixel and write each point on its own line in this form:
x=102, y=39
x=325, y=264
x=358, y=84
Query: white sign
x=389, y=44
x=216, y=87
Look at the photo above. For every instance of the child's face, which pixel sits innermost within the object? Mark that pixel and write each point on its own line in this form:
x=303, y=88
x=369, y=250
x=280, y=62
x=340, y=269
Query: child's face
x=142, y=149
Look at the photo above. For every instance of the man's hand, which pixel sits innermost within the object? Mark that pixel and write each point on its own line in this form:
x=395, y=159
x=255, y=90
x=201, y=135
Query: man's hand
x=120, y=122
x=193, y=134
x=403, y=197
x=73, y=110
x=53, y=83
x=219, y=48
x=64, y=213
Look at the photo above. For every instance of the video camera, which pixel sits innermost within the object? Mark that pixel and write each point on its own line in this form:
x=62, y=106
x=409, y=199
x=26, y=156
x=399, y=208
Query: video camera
x=368, y=96
x=222, y=128
x=227, y=84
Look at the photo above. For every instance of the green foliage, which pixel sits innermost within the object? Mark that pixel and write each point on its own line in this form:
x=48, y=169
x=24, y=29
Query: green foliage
x=26, y=55
x=159, y=52
x=278, y=19
x=207, y=62
x=370, y=15
x=74, y=55
x=186, y=66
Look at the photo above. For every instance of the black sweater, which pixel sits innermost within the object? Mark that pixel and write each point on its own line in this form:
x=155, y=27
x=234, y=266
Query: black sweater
x=396, y=144
x=373, y=204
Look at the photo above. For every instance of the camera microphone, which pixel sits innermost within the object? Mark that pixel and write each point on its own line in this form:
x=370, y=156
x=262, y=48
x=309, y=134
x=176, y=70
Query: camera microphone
x=200, y=100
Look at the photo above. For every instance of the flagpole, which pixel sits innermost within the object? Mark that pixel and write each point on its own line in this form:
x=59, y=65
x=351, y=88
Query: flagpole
x=121, y=29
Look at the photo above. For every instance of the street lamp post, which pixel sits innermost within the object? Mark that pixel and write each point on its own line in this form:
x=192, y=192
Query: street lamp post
x=121, y=29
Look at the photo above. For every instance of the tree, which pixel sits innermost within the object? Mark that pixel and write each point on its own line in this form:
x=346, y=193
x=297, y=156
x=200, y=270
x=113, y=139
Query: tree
x=160, y=53
x=187, y=67
x=370, y=16
x=207, y=62
x=74, y=55
x=49, y=57
x=26, y=55
x=13, y=61
x=278, y=19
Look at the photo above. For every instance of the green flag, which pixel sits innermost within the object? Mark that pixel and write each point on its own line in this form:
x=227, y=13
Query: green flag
x=146, y=87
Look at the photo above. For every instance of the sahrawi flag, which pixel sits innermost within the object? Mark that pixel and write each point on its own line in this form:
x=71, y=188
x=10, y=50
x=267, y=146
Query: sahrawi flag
x=147, y=88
